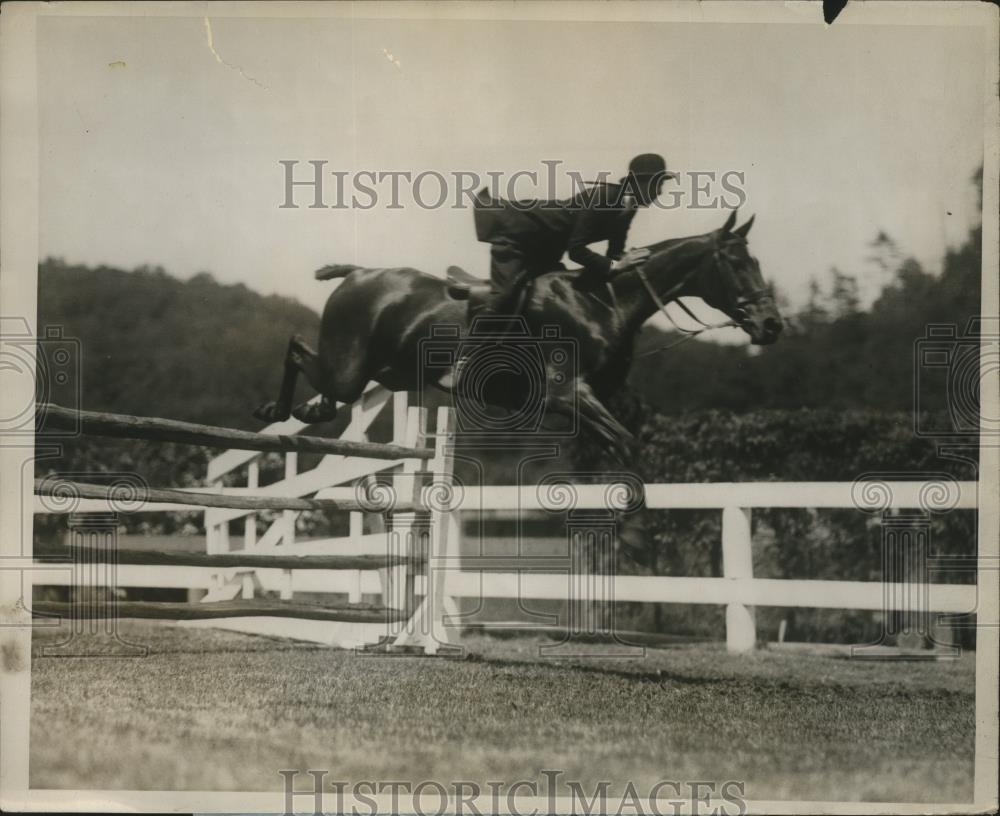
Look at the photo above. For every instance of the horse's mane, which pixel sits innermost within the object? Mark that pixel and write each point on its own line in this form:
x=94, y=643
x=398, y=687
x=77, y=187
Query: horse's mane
x=671, y=243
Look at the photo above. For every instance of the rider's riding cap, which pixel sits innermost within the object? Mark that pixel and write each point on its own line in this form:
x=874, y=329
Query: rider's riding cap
x=649, y=166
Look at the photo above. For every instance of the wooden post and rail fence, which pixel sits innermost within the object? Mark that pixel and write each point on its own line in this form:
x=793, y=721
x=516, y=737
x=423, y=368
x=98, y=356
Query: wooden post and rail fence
x=410, y=556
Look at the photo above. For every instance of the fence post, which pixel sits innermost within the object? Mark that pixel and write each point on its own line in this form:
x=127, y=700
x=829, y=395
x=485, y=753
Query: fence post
x=426, y=628
x=211, y=533
x=250, y=522
x=442, y=550
x=286, y=591
x=397, y=582
x=737, y=565
x=400, y=416
x=288, y=517
x=405, y=532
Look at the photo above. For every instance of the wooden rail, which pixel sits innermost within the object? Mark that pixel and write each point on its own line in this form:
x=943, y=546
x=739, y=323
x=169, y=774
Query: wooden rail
x=351, y=613
x=67, y=490
x=394, y=559
x=237, y=560
x=55, y=417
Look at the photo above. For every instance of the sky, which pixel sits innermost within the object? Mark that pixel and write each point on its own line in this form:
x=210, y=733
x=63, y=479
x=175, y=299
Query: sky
x=161, y=138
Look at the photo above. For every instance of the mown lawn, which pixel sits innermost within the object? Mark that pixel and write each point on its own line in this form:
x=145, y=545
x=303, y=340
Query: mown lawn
x=215, y=710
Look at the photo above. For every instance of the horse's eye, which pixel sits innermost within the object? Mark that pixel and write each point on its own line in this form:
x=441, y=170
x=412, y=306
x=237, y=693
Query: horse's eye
x=740, y=315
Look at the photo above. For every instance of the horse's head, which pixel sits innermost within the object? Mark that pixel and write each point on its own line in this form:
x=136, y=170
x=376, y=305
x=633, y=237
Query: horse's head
x=732, y=283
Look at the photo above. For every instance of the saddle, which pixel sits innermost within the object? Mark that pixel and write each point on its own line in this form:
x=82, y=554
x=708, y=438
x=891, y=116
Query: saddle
x=463, y=286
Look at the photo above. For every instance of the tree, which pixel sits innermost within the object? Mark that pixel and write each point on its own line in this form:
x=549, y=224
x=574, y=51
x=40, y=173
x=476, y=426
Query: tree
x=844, y=297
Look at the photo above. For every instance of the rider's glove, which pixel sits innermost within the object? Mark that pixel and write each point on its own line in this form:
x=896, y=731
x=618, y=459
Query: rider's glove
x=631, y=258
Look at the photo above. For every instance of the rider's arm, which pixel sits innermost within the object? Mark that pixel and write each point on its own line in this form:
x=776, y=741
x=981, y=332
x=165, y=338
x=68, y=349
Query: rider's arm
x=593, y=225
x=616, y=243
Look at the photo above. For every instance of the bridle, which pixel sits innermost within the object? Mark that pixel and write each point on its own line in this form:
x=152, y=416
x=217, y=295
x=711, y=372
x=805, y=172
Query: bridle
x=672, y=296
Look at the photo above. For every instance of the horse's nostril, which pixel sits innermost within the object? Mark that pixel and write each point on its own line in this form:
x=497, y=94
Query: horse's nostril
x=772, y=326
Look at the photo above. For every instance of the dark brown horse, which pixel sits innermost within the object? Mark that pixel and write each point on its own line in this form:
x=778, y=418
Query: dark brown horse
x=380, y=324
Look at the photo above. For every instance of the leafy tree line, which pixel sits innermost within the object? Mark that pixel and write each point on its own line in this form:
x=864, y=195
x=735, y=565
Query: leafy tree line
x=151, y=344
x=146, y=343
x=833, y=353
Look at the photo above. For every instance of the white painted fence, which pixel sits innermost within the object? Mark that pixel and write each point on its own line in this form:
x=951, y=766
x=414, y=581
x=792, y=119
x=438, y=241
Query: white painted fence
x=738, y=590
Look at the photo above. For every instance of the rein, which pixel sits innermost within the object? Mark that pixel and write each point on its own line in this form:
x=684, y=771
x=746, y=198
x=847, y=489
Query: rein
x=670, y=297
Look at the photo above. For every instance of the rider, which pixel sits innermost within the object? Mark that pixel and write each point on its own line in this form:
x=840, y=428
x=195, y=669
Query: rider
x=530, y=238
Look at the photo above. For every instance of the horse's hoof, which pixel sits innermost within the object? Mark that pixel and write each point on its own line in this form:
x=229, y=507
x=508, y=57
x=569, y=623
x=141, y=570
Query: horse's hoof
x=618, y=448
x=268, y=412
x=624, y=449
x=314, y=412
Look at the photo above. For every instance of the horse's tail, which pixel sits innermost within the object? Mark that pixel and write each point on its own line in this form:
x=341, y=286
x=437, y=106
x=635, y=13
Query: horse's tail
x=334, y=271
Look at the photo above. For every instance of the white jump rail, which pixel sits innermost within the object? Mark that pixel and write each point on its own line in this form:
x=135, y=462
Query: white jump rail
x=415, y=535
x=326, y=480
x=738, y=590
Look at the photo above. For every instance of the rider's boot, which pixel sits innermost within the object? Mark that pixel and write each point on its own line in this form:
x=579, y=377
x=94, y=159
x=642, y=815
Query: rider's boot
x=506, y=297
x=496, y=303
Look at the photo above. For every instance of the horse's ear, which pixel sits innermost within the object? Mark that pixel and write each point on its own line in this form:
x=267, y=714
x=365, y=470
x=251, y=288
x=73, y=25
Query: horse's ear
x=742, y=231
x=729, y=222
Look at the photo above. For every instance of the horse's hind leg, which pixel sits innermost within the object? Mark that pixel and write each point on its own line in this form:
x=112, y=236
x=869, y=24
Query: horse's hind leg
x=299, y=357
x=324, y=409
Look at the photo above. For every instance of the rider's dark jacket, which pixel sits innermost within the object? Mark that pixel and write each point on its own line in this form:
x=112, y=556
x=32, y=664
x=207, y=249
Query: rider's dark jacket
x=546, y=230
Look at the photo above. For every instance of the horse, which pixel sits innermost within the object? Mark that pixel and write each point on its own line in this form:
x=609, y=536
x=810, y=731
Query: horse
x=379, y=324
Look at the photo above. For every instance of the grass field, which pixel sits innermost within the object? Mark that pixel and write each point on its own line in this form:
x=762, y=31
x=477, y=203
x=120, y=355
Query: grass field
x=215, y=710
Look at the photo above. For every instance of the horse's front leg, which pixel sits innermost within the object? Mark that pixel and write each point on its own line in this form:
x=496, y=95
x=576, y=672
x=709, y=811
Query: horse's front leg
x=578, y=399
